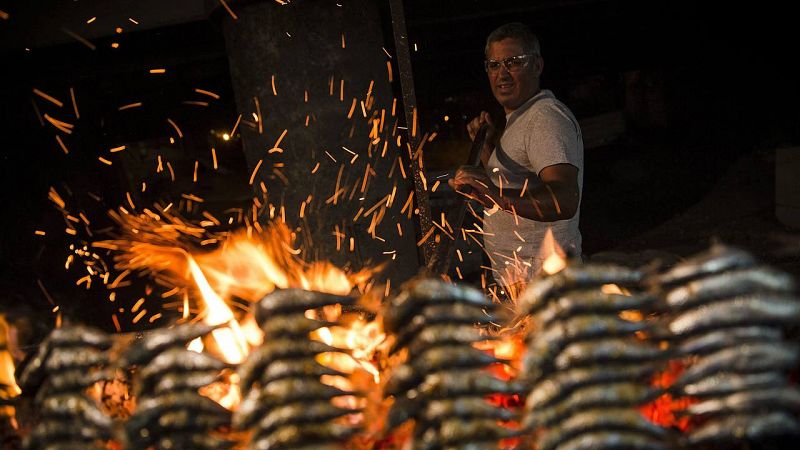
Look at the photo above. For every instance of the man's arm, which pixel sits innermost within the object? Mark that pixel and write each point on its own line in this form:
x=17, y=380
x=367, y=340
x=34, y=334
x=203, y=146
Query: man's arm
x=555, y=197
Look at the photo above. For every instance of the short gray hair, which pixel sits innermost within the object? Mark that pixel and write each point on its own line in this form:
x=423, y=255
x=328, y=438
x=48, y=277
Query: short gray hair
x=518, y=31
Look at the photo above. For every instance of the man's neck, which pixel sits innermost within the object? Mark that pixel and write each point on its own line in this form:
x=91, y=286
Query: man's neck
x=535, y=93
x=509, y=111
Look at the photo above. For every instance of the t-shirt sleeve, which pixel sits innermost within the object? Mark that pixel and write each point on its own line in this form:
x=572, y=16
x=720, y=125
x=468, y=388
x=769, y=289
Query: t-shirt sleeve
x=551, y=138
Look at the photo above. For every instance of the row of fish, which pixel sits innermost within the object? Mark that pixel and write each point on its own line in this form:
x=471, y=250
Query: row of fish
x=443, y=384
x=587, y=370
x=589, y=366
x=285, y=403
x=719, y=313
x=170, y=411
x=71, y=359
x=726, y=316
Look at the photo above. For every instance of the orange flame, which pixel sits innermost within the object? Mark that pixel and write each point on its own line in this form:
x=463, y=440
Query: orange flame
x=8, y=384
x=553, y=255
x=7, y=380
x=230, y=340
x=361, y=338
x=246, y=266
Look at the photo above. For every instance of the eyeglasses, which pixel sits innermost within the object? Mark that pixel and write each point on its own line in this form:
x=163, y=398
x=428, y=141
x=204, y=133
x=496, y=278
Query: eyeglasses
x=512, y=64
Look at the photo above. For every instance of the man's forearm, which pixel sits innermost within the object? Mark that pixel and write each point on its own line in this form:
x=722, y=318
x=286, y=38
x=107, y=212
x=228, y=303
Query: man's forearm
x=547, y=202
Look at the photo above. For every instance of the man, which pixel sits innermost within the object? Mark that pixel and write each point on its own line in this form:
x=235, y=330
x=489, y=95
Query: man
x=533, y=173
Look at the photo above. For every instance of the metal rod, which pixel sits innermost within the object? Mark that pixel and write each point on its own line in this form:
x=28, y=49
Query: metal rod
x=440, y=263
x=410, y=106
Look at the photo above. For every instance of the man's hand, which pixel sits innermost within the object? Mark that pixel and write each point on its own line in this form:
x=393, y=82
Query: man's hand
x=474, y=183
x=475, y=124
x=491, y=134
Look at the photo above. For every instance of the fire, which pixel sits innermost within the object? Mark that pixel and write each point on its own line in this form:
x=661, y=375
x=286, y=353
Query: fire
x=245, y=266
x=516, y=276
x=553, y=255
x=231, y=339
x=7, y=379
x=361, y=337
x=508, y=345
x=613, y=289
x=662, y=410
x=248, y=265
x=327, y=278
x=8, y=384
x=227, y=392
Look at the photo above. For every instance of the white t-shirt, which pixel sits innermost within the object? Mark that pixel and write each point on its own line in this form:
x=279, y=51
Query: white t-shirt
x=540, y=133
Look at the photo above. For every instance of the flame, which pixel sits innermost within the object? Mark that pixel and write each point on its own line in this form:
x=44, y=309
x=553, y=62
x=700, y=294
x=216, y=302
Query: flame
x=514, y=278
x=249, y=267
x=196, y=346
x=614, y=289
x=325, y=277
x=8, y=384
x=7, y=380
x=246, y=265
x=226, y=392
x=508, y=345
x=553, y=255
x=252, y=333
x=361, y=338
x=231, y=340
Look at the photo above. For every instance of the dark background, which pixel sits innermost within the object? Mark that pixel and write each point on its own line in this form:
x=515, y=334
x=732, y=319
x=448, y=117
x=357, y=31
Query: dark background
x=707, y=92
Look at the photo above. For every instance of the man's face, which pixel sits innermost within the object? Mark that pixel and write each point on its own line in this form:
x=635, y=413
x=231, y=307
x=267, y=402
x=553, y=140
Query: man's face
x=512, y=88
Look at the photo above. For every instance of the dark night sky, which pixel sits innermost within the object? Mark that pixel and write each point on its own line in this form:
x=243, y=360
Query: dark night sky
x=725, y=74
